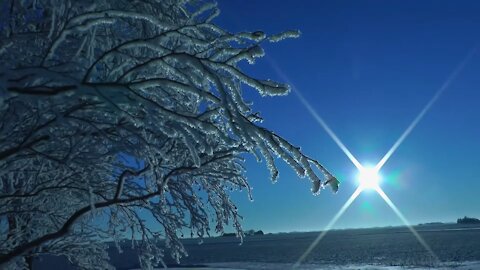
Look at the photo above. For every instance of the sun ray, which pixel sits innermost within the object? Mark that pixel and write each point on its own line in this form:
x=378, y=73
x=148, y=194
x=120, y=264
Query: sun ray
x=405, y=221
x=427, y=107
x=329, y=131
x=315, y=115
x=329, y=226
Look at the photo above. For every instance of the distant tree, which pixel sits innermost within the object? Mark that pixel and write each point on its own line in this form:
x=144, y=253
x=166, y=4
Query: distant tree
x=117, y=112
x=468, y=220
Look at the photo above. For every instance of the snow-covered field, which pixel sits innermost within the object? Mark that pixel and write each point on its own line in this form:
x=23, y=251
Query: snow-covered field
x=345, y=249
x=276, y=266
x=273, y=266
x=457, y=247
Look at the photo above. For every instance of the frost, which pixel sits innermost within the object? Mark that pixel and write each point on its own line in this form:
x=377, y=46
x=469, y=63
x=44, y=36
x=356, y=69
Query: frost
x=316, y=186
x=284, y=35
x=334, y=183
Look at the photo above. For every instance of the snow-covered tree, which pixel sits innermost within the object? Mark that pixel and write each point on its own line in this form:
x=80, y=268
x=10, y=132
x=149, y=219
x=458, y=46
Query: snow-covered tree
x=114, y=112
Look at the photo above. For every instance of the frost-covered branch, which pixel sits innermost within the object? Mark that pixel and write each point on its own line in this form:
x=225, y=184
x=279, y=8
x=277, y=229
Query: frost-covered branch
x=109, y=109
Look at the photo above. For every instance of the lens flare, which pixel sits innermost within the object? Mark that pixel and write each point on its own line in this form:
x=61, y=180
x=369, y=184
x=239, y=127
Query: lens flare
x=327, y=129
x=427, y=107
x=328, y=227
x=344, y=208
x=405, y=221
x=315, y=115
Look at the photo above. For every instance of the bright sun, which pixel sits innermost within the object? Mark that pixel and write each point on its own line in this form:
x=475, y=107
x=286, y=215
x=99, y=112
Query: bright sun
x=369, y=178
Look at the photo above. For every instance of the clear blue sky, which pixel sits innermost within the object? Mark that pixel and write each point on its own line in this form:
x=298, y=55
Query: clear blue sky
x=368, y=68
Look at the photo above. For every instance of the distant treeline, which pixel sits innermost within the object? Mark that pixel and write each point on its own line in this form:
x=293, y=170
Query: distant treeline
x=249, y=232
x=468, y=220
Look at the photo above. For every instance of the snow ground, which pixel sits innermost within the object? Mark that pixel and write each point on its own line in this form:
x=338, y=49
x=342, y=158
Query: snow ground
x=392, y=248
x=277, y=266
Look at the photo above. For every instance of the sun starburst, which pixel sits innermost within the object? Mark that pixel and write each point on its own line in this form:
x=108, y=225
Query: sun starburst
x=369, y=177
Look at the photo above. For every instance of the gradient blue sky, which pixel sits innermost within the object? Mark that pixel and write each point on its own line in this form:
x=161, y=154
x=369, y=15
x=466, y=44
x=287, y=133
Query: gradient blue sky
x=368, y=68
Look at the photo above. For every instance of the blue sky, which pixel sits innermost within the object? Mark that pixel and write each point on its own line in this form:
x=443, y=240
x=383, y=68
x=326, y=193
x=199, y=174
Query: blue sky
x=368, y=68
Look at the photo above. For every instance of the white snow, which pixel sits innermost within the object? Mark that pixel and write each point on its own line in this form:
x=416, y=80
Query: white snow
x=273, y=266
